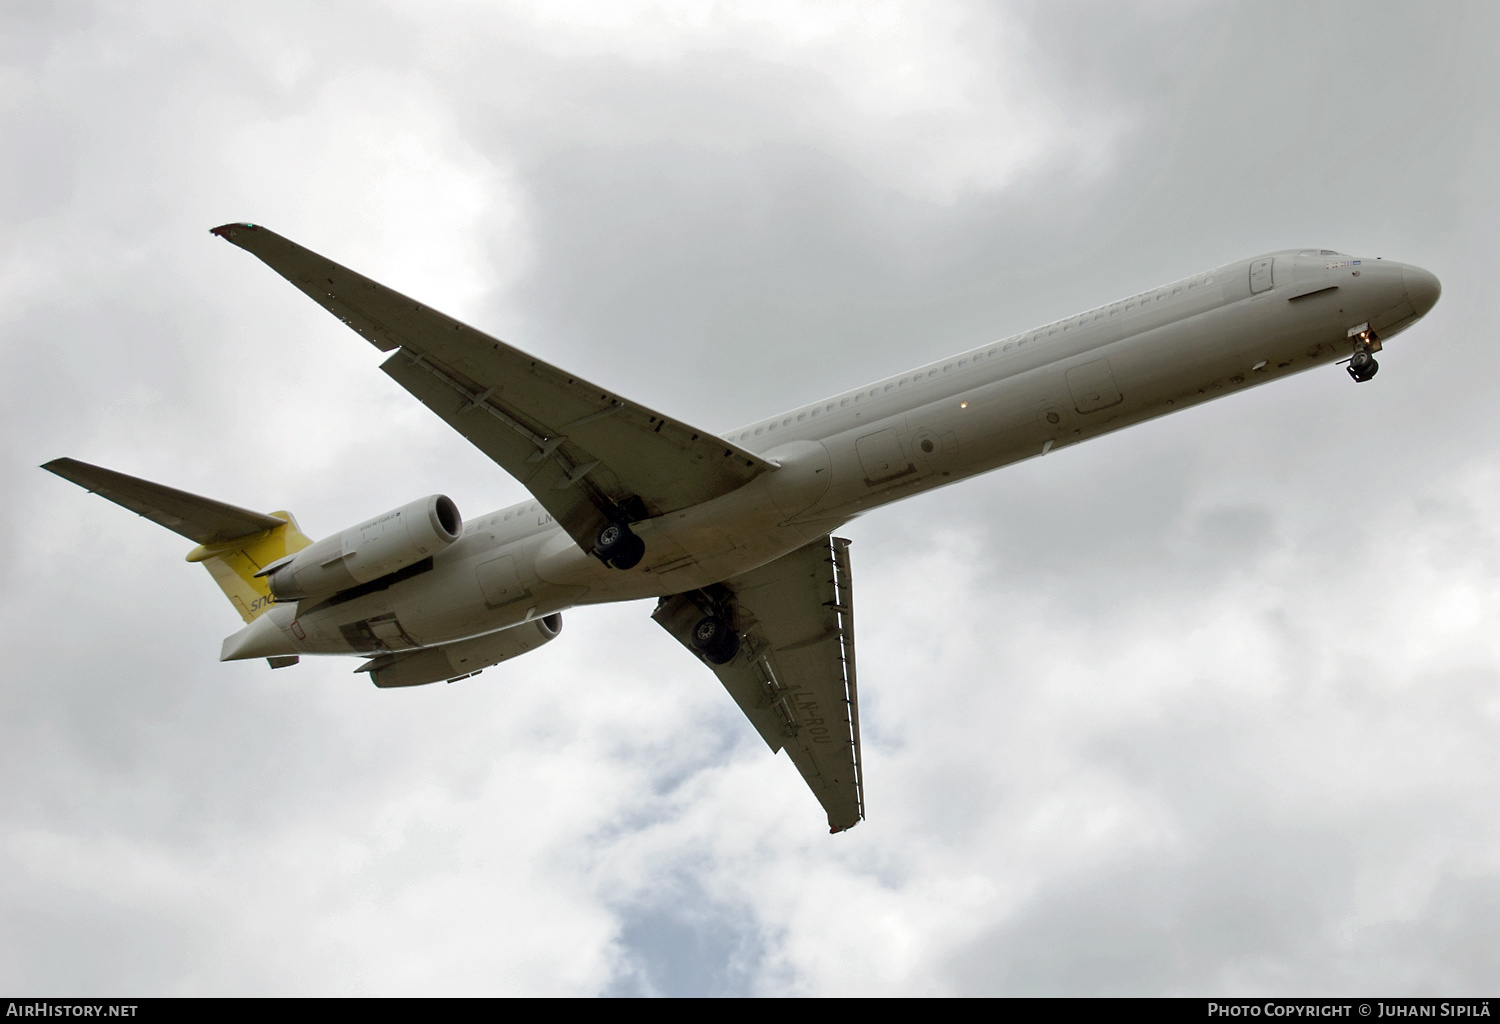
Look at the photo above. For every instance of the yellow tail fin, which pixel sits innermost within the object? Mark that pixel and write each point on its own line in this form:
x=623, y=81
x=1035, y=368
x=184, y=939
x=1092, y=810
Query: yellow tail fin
x=234, y=563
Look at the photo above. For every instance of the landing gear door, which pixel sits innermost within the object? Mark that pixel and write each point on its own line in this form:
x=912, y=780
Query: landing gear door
x=1260, y=275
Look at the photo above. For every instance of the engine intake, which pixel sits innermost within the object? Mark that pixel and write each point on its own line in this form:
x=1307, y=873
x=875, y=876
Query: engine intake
x=368, y=551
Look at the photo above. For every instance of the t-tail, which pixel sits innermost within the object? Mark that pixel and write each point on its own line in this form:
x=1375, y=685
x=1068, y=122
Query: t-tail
x=234, y=544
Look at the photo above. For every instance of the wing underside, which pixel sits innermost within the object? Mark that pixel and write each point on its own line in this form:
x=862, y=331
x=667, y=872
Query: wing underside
x=588, y=455
x=794, y=675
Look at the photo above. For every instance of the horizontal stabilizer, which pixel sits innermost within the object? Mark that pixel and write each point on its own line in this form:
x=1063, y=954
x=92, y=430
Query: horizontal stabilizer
x=198, y=519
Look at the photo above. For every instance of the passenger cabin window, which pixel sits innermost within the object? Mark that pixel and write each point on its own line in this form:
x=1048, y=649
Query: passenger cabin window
x=1007, y=346
x=787, y=422
x=759, y=431
x=1177, y=291
x=801, y=416
x=830, y=407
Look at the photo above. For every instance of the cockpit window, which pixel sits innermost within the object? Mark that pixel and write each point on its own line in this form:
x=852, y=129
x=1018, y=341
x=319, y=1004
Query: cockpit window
x=1321, y=252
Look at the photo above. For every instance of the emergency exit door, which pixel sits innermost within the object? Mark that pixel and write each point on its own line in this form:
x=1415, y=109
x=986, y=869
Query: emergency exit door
x=1260, y=275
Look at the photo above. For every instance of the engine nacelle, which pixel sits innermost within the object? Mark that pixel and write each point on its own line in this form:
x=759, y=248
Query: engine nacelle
x=367, y=551
x=463, y=658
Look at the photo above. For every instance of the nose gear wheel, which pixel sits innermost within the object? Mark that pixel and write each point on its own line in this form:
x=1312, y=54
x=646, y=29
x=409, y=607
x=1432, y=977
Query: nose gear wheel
x=1362, y=365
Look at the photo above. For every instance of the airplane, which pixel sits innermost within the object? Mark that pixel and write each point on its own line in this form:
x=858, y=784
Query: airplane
x=732, y=533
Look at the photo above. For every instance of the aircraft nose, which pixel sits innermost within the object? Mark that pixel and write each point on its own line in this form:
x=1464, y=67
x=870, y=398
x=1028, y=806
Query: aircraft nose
x=1422, y=289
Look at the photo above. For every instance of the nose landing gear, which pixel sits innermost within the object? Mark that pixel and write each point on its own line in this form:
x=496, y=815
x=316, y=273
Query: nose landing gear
x=1362, y=365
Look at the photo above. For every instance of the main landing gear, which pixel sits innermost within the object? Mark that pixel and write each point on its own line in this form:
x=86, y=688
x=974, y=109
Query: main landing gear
x=616, y=546
x=713, y=639
x=1362, y=365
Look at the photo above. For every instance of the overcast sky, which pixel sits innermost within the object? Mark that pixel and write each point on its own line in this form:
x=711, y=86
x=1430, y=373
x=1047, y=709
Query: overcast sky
x=1208, y=706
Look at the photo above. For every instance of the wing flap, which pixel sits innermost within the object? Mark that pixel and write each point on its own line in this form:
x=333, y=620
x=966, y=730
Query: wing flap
x=559, y=482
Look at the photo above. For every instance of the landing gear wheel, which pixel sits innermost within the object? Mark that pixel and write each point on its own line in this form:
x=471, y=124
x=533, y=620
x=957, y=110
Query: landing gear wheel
x=616, y=546
x=1362, y=366
x=713, y=638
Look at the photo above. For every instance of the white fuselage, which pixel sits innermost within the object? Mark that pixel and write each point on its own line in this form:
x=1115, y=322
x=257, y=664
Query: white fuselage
x=1118, y=364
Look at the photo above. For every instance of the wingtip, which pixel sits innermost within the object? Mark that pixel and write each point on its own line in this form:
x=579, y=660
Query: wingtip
x=226, y=231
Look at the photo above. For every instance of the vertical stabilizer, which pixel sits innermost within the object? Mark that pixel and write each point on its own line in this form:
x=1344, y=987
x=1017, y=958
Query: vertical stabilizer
x=234, y=563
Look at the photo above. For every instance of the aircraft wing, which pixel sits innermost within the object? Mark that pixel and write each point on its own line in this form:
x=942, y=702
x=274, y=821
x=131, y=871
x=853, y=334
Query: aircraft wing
x=794, y=674
x=588, y=455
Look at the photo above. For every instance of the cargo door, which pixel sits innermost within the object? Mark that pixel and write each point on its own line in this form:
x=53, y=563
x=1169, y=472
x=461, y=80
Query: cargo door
x=380, y=633
x=500, y=581
x=881, y=457
x=1093, y=387
x=1260, y=275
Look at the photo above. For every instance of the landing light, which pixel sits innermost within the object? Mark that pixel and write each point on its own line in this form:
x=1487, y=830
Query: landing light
x=963, y=405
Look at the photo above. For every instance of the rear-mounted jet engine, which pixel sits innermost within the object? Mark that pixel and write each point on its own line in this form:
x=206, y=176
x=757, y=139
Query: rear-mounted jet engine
x=367, y=551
